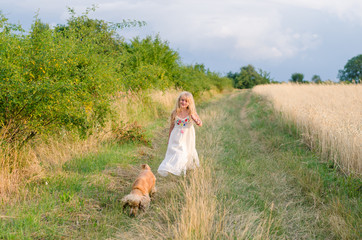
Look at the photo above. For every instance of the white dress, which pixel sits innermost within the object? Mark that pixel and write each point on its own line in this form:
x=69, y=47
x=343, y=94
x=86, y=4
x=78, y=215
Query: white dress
x=181, y=153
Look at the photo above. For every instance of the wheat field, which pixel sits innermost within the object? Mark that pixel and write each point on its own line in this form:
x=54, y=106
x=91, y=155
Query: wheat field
x=329, y=117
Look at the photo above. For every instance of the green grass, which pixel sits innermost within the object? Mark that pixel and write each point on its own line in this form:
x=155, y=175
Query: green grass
x=110, y=156
x=270, y=185
x=80, y=202
x=273, y=184
x=284, y=172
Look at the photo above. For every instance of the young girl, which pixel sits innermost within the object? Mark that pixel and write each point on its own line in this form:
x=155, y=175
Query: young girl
x=181, y=152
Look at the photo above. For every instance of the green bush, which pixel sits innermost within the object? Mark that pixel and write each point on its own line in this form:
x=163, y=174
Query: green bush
x=197, y=79
x=53, y=79
x=63, y=77
x=149, y=63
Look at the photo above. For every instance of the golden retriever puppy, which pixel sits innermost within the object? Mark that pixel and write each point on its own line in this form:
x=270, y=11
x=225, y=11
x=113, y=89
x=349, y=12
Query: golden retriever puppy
x=142, y=190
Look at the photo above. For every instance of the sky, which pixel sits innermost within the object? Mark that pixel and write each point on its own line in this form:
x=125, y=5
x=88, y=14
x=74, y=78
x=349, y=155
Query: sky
x=281, y=37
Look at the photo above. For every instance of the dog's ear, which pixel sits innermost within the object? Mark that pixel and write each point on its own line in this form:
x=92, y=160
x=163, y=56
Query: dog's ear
x=125, y=203
x=126, y=200
x=145, y=202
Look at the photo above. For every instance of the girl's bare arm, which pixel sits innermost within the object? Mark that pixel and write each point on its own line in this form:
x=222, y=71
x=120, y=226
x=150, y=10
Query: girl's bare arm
x=196, y=119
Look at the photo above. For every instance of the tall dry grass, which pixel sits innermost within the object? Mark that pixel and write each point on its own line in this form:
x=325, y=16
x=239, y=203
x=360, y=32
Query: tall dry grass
x=328, y=116
x=197, y=216
x=202, y=215
x=46, y=154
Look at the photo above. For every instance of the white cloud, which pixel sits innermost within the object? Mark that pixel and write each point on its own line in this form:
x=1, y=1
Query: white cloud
x=241, y=29
x=251, y=30
x=348, y=10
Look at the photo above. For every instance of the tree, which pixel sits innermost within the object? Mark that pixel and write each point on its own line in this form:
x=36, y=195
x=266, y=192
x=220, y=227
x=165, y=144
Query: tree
x=316, y=79
x=248, y=77
x=297, y=78
x=266, y=76
x=352, y=70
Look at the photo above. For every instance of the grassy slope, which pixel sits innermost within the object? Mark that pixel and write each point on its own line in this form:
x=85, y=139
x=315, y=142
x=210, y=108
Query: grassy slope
x=259, y=182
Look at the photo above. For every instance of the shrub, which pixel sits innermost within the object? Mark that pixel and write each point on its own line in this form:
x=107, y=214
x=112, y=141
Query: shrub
x=149, y=63
x=63, y=77
x=53, y=79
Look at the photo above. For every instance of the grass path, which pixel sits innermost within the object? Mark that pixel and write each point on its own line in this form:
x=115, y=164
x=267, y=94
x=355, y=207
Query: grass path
x=267, y=201
x=257, y=180
x=277, y=188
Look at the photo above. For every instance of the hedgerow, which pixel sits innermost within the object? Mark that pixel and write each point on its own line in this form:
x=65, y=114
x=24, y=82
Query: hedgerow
x=63, y=77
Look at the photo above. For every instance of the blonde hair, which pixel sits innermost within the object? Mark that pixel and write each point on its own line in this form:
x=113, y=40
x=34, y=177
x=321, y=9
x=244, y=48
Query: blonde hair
x=191, y=107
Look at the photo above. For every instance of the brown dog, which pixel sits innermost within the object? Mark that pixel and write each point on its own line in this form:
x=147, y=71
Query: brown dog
x=142, y=190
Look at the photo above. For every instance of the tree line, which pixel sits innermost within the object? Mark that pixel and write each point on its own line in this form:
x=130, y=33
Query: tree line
x=248, y=76
x=351, y=73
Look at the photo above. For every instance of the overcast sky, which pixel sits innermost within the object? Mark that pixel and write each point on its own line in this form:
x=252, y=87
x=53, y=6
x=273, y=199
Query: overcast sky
x=278, y=36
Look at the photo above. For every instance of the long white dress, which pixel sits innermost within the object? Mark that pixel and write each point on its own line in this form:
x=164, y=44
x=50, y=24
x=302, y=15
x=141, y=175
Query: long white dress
x=181, y=153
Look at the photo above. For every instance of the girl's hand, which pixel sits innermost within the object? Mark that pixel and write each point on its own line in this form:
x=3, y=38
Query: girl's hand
x=196, y=119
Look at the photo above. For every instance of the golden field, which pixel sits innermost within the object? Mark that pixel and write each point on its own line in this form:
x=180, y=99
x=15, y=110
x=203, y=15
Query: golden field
x=329, y=117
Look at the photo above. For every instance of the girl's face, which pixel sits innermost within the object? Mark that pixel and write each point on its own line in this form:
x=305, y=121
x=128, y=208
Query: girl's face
x=184, y=103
